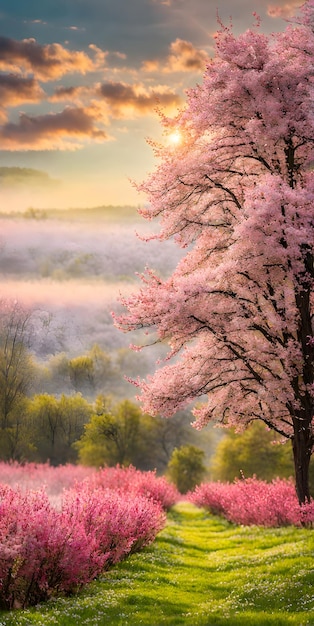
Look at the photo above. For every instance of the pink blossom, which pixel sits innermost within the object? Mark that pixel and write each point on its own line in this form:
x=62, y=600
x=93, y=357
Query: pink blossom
x=45, y=551
x=251, y=501
x=237, y=312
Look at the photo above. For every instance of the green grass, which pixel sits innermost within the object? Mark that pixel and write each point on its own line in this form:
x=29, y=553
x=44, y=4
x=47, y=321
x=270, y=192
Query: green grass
x=200, y=571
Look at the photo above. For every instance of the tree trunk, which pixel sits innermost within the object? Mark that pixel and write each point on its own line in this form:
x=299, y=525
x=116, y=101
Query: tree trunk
x=302, y=445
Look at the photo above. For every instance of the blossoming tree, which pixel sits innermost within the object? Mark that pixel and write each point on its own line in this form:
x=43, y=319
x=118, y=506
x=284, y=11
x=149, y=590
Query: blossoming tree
x=238, y=193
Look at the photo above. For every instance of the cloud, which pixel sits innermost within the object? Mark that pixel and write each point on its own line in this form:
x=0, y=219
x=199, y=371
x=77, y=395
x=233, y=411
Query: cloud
x=3, y=116
x=100, y=55
x=91, y=105
x=126, y=101
x=76, y=28
x=119, y=55
x=35, y=22
x=183, y=57
x=287, y=9
x=53, y=131
x=72, y=94
x=15, y=89
x=163, y=2
x=48, y=62
x=66, y=130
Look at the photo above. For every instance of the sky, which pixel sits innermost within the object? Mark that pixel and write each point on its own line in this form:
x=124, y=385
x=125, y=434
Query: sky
x=80, y=84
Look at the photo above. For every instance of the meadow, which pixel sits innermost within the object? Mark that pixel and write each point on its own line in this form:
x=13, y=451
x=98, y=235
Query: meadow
x=200, y=571
x=191, y=568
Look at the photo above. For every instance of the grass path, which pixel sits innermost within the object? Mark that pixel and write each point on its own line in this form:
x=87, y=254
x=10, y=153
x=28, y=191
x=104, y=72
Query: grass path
x=201, y=571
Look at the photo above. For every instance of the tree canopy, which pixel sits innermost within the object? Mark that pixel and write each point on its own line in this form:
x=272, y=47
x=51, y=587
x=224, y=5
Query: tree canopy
x=16, y=374
x=255, y=452
x=237, y=191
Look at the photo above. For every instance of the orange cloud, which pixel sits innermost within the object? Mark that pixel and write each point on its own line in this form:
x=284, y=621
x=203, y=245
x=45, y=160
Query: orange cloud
x=150, y=66
x=126, y=101
x=100, y=55
x=3, y=116
x=119, y=55
x=53, y=131
x=48, y=62
x=120, y=100
x=288, y=9
x=71, y=94
x=183, y=57
x=16, y=89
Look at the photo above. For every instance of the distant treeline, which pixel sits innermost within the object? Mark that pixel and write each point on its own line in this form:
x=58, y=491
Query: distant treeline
x=20, y=176
x=104, y=213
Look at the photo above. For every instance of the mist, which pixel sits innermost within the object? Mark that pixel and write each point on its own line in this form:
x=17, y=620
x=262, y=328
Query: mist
x=72, y=269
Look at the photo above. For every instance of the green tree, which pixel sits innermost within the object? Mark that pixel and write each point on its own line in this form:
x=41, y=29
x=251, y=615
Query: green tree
x=44, y=424
x=54, y=425
x=186, y=467
x=88, y=373
x=81, y=372
x=161, y=436
x=104, y=373
x=75, y=412
x=113, y=434
x=16, y=375
x=257, y=451
x=58, y=373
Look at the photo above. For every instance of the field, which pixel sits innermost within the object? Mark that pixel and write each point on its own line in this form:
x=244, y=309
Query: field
x=200, y=571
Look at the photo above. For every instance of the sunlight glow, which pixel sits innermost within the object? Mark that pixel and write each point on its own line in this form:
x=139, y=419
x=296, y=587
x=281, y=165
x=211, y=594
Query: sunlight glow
x=175, y=138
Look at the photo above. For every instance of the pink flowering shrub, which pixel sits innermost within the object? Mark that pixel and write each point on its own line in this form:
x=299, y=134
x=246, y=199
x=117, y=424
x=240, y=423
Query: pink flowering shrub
x=119, y=523
x=210, y=496
x=44, y=552
x=131, y=480
x=251, y=501
x=307, y=513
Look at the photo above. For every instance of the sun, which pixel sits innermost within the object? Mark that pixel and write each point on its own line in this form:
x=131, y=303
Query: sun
x=174, y=138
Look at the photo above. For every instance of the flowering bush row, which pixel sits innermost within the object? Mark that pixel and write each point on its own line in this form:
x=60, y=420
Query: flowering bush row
x=130, y=480
x=44, y=551
x=34, y=476
x=251, y=501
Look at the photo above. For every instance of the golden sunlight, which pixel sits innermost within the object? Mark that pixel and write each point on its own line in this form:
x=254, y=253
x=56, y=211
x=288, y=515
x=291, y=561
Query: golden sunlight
x=174, y=138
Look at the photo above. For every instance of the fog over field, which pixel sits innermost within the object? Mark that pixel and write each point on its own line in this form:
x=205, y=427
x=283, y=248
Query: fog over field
x=71, y=267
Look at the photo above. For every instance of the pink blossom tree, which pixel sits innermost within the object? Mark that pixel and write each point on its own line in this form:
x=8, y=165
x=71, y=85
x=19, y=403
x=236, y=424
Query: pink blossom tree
x=238, y=193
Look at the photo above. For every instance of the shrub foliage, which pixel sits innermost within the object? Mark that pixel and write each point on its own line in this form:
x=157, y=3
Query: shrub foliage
x=252, y=501
x=46, y=551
